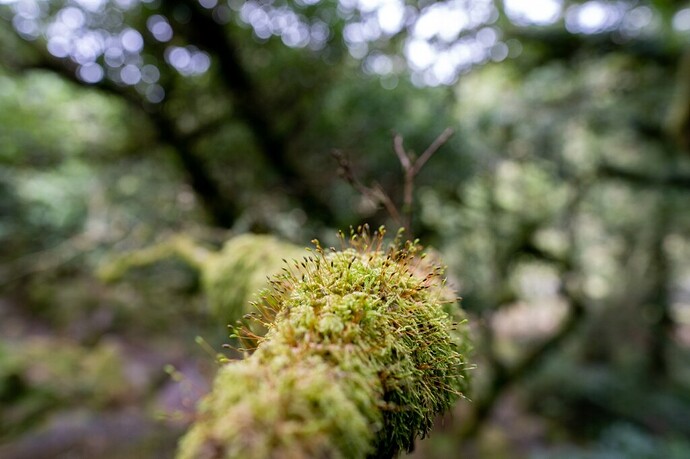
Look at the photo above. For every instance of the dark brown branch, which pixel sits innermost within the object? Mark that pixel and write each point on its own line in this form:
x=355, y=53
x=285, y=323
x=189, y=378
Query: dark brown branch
x=658, y=296
x=222, y=209
x=250, y=104
x=504, y=377
x=678, y=117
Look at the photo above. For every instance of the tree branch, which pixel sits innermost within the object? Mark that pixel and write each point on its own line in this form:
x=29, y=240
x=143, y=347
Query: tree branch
x=250, y=104
x=429, y=152
x=411, y=167
x=504, y=376
x=376, y=193
x=400, y=152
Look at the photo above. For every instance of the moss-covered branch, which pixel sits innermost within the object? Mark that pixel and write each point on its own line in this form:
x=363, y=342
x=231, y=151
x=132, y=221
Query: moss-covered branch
x=361, y=354
x=230, y=277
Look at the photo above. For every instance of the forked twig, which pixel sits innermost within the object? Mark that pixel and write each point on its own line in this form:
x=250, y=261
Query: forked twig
x=435, y=145
x=376, y=192
x=411, y=168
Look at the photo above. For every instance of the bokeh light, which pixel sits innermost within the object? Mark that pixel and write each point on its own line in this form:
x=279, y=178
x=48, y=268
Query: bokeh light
x=132, y=41
x=443, y=39
x=208, y=4
x=681, y=20
x=533, y=12
x=159, y=27
x=593, y=17
x=90, y=73
x=188, y=60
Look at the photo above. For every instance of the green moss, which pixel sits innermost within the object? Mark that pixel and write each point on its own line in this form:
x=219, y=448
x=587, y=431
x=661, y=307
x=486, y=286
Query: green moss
x=233, y=276
x=38, y=375
x=359, y=357
x=291, y=408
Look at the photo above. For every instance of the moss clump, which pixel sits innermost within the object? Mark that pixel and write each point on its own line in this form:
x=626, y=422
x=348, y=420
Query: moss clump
x=233, y=276
x=359, y=358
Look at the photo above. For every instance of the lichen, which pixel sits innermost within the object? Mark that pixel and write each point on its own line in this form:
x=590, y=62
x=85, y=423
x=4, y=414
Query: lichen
x=360, y=355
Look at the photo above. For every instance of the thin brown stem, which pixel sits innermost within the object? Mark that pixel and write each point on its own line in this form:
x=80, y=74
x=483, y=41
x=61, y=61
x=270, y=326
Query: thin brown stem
x=411, y=167
x=433, y=148
x=376, y=192
x=401, y=153
x=388, y=203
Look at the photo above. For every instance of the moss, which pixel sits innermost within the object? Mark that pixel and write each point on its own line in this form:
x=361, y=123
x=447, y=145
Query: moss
x=179, y=246
x=359, y=357
x=230, y=277
x=38, y=375
x=233, y=276
x=293, y=408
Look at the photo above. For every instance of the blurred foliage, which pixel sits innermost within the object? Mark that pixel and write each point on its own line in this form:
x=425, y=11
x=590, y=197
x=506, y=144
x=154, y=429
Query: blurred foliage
x=560, y=205
x=626, y=441
x=42, y=375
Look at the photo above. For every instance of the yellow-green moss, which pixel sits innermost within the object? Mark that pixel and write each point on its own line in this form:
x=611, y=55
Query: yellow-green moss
x=38, y=375
x=231, y=277
x=359, y=357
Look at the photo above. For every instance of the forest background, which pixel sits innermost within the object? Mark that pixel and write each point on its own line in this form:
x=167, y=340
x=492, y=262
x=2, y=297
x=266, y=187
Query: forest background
x=560, y=204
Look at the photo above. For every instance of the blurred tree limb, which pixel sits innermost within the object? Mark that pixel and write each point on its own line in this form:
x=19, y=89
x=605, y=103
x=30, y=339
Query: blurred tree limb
x=221, y=209
x=678, y=119
x=249, y=102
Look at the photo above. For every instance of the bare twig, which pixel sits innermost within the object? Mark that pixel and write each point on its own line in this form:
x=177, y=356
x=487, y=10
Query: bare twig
x=387, y=203
x=400, y=151
x=376, y=192
x=412, y=168
x=671, y=180
x=345, y=172
x=435, y=145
